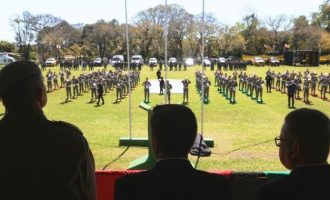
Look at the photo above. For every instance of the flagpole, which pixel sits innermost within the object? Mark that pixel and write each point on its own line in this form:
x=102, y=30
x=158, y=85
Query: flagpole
x=165, y=47
x=129, y=78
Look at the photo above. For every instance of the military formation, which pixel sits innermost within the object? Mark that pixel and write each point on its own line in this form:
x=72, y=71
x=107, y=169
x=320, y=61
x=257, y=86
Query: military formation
x=307, y=83
x=203, y=85
x=297, y=85
x=98, y=82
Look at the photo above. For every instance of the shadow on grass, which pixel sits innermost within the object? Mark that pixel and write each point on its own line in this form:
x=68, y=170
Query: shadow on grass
x=66, y=101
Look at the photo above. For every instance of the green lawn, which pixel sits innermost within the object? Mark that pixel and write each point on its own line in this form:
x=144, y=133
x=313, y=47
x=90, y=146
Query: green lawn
x=231, y=126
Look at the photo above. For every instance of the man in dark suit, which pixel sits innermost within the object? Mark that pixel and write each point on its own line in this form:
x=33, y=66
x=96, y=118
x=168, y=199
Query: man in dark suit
x=173, y=131
x=304, y=149
x=40, y=158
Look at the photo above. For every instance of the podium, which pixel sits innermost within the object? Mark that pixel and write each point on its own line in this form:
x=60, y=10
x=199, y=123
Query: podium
x=148, y=161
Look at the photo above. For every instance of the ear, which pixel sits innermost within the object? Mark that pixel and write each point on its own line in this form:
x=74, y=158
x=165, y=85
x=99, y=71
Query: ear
x=41, y=97
x=296, y=151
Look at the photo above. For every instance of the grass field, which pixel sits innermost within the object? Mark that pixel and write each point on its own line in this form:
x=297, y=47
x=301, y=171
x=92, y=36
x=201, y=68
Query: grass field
x=232, y=126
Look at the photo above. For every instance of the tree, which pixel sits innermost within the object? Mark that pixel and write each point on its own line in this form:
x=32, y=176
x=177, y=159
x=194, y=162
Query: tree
x=305, y=36
x=52, y=41
x=6, y=46
x=278, y=25
x=27, y=26
x=253, y=44
x=322, y=18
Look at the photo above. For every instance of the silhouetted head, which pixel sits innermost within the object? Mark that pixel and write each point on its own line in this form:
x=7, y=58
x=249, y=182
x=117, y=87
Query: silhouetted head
x=305, y=138
x=22, y=86
x=173, y=131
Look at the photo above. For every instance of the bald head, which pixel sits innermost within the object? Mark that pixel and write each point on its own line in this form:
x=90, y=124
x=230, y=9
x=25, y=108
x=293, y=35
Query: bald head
x=21, y=85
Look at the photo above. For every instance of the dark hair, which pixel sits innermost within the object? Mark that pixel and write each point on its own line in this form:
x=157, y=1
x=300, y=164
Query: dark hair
x=311, y=128
x=175, y=129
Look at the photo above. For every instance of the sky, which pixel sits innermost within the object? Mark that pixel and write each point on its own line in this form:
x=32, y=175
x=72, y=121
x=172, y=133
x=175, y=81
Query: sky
x=89, y=11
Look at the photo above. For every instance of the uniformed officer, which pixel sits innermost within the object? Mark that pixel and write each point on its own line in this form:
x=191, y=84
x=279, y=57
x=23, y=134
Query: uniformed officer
x=258, y=86
x=159, y=74
x=93, y=89
x=55, y=80
x=75, y=83
x=27, y=136
x=233, y=86
x=314, y=81
x=269, y=82
x=161, y=86
x=62, y=79
x=278, y=81
x=49, y=77
x=68, y=89
x=169, y=87
x=291, y=85
x=100, y=91
x=207, y=84
x=146, y=85
x=185, y=83
x=306, y=86
x=324, y=87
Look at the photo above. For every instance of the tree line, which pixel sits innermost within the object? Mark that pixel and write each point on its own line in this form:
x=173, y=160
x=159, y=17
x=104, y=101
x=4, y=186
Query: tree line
x=44, y=35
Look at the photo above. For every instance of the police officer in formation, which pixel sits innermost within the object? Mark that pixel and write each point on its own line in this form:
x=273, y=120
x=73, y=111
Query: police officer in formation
x=168, y=89
x=258, y=87
x=49, y=77
x=306, y=87
x=146, y=85
x=185, y=82
x=232, y=90
x=68, y=89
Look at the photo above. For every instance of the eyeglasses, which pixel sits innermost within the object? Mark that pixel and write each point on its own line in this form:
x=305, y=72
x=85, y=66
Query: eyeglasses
x=278, y=140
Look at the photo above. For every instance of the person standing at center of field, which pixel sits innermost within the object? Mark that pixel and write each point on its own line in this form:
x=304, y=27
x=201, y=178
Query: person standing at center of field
x=291, y=85
x=146, y=84
x=100, y=91
x=185, y=83
x=169, y=87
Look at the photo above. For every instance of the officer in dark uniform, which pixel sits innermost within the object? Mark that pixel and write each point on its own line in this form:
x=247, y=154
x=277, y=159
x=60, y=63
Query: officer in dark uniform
x=159, y=74
x=59, y=162
x=161, y=85
x=100, y=91
x=291, y=85
x=269, y=82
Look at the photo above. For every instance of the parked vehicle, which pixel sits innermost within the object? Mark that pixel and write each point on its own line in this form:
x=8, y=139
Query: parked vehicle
x=136, y=61
x=152, y=62
x=50, y=62
x=189, y=62
x=206, y=62
x=172, y=61
x=274, y=61
x=222, y=60
x=258, y=61
x=6, y=59
x=97, y=62
x=117, y=61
